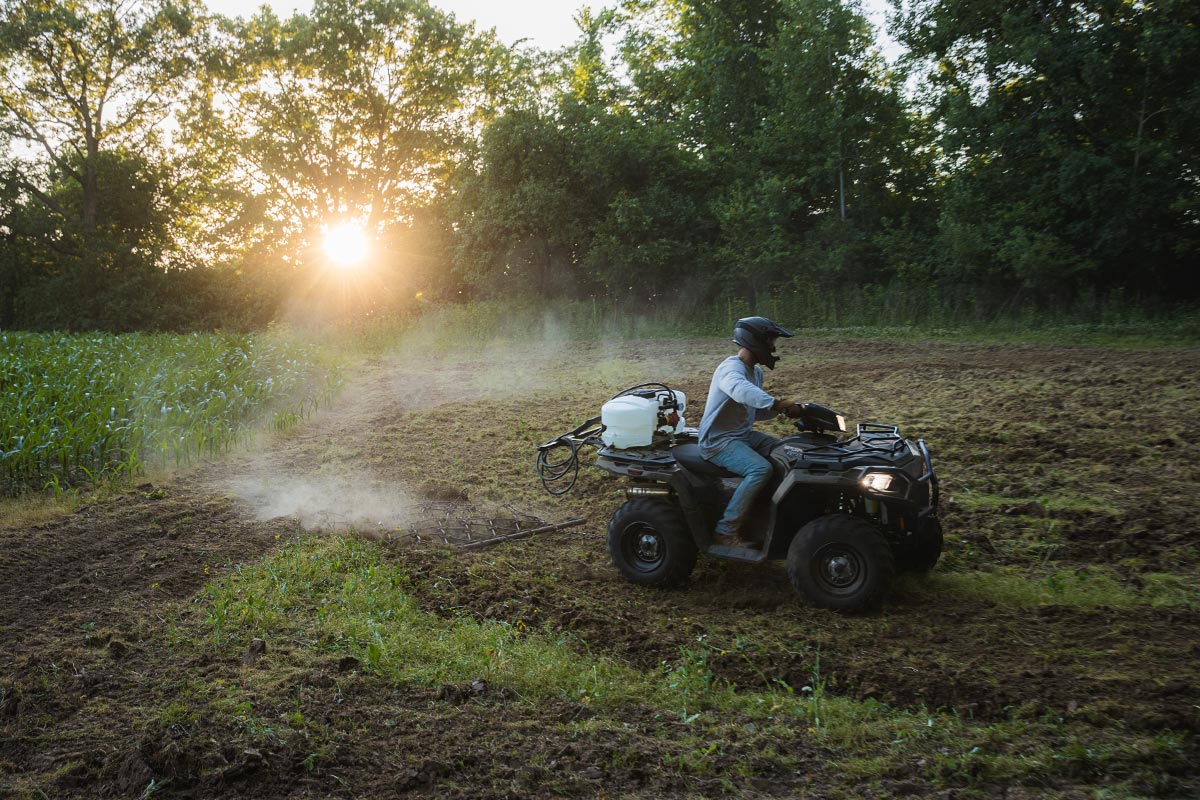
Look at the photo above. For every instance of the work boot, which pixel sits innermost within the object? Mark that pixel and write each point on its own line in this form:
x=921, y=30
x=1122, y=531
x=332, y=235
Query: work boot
x=733, y=539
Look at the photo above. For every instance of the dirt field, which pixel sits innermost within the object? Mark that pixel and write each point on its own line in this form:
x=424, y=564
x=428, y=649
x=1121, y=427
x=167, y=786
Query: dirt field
x=1053, y=653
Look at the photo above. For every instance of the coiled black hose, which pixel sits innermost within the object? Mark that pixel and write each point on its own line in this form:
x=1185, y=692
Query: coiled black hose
x=552, y=472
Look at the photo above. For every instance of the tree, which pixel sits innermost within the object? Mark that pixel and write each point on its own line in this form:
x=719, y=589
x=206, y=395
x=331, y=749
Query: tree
x=808, y=146
x=78, y=77
x=701, y=62
x=1069, y=140
x=55, y=277
x=85, y=87
x=355, y=111
x=578, y=201
x=579, y=196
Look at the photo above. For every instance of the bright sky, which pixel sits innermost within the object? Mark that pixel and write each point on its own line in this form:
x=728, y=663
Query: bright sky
x=548, y=24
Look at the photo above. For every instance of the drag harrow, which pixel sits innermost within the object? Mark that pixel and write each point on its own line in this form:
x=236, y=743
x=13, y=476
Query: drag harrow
x=469, y=527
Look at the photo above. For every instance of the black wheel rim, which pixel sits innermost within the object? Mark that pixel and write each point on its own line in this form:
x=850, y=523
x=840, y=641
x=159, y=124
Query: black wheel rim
x=643, y=547
x=839, y=569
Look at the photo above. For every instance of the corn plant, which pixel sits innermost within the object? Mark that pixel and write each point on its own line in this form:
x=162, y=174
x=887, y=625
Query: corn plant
x=78, y=408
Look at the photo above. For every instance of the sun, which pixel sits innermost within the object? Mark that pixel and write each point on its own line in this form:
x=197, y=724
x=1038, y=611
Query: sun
x=346, y=245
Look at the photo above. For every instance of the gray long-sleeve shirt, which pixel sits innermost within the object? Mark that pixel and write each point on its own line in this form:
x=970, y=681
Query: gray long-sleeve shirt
x=736, y=400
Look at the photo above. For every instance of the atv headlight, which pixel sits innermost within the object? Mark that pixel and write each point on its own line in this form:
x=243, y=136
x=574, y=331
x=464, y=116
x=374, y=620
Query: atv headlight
x=882, y=483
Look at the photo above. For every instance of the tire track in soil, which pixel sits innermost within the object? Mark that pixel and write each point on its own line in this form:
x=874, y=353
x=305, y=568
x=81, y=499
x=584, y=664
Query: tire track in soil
x=78, y=596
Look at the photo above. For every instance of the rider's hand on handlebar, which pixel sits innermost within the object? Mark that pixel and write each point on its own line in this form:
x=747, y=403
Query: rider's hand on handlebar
x=788, y=408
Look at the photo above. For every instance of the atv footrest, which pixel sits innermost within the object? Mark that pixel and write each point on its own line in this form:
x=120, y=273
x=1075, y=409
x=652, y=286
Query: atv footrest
x=751, y=555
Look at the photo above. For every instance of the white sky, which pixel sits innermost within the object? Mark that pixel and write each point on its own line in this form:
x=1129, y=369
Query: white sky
x=548, y=24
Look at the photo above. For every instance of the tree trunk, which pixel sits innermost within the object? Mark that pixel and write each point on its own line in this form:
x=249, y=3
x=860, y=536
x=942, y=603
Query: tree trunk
x=842, y=191
x=90, y=188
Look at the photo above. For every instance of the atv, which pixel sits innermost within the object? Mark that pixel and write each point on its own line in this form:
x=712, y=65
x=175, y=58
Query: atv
x=846, y=512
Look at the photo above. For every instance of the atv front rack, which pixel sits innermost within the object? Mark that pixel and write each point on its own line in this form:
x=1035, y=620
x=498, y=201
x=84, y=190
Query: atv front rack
x=873, y=439
x=870, y=438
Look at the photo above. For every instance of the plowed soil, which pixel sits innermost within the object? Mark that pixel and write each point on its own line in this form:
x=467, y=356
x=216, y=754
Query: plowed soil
x=1059, y=464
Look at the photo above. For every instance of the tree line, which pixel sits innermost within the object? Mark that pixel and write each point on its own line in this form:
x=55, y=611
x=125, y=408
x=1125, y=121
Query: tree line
x=162, y=167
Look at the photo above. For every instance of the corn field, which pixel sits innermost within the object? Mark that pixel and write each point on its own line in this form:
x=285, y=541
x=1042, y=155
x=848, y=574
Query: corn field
x=81, y=408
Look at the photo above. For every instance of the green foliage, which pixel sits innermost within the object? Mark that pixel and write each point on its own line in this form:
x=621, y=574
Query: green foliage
x=116, y=275
x=353, y=112
x=679, y=152
x=82, y=76
x=759, y=145
x=575, y=202
x=1067, y=135
x=81, y=408
x=90, y=224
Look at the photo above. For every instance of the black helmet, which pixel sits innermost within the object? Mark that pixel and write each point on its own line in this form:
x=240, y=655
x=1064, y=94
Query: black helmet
x=758, y=334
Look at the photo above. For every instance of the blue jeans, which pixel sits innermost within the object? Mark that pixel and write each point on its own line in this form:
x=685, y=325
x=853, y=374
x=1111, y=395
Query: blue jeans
x=742, y=457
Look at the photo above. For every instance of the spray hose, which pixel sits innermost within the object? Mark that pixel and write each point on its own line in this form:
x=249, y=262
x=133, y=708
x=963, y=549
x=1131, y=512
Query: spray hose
x=552, y=472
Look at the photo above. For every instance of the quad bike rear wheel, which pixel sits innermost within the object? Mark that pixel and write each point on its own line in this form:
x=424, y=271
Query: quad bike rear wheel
x=840, y=562
x=649, y=543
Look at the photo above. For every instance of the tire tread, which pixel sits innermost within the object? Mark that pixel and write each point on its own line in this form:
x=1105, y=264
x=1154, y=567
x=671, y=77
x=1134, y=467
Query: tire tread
x=668, y=520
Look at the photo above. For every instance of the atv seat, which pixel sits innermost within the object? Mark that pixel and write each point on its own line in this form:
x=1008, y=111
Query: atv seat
x=688, y=456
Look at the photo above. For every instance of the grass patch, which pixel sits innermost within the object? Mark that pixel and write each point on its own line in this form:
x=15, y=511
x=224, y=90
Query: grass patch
x=338, y=595
x=34, y=509
x=1081, y=588
x=341, y=596
x=1166, y=589
x=1046, y=505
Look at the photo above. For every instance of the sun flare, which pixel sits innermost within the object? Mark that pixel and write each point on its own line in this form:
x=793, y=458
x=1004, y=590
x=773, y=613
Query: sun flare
x=346, y=245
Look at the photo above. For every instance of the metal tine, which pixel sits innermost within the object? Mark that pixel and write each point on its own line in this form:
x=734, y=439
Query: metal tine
x=466, y=525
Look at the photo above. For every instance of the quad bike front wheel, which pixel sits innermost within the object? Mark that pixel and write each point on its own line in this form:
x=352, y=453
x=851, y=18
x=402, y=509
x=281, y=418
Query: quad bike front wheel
x=840, y=562
x=649, y=543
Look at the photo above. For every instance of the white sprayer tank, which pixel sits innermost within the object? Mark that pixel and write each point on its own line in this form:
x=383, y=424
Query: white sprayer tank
x=632, y=420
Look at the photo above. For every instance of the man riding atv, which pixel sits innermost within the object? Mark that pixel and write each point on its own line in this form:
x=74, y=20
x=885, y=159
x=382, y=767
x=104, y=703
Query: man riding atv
x=736, y=400
x=845, y=511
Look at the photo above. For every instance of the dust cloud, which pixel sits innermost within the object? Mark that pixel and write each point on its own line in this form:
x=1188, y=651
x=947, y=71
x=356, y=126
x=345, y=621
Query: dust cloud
x=327, y=503
x=344, y=469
